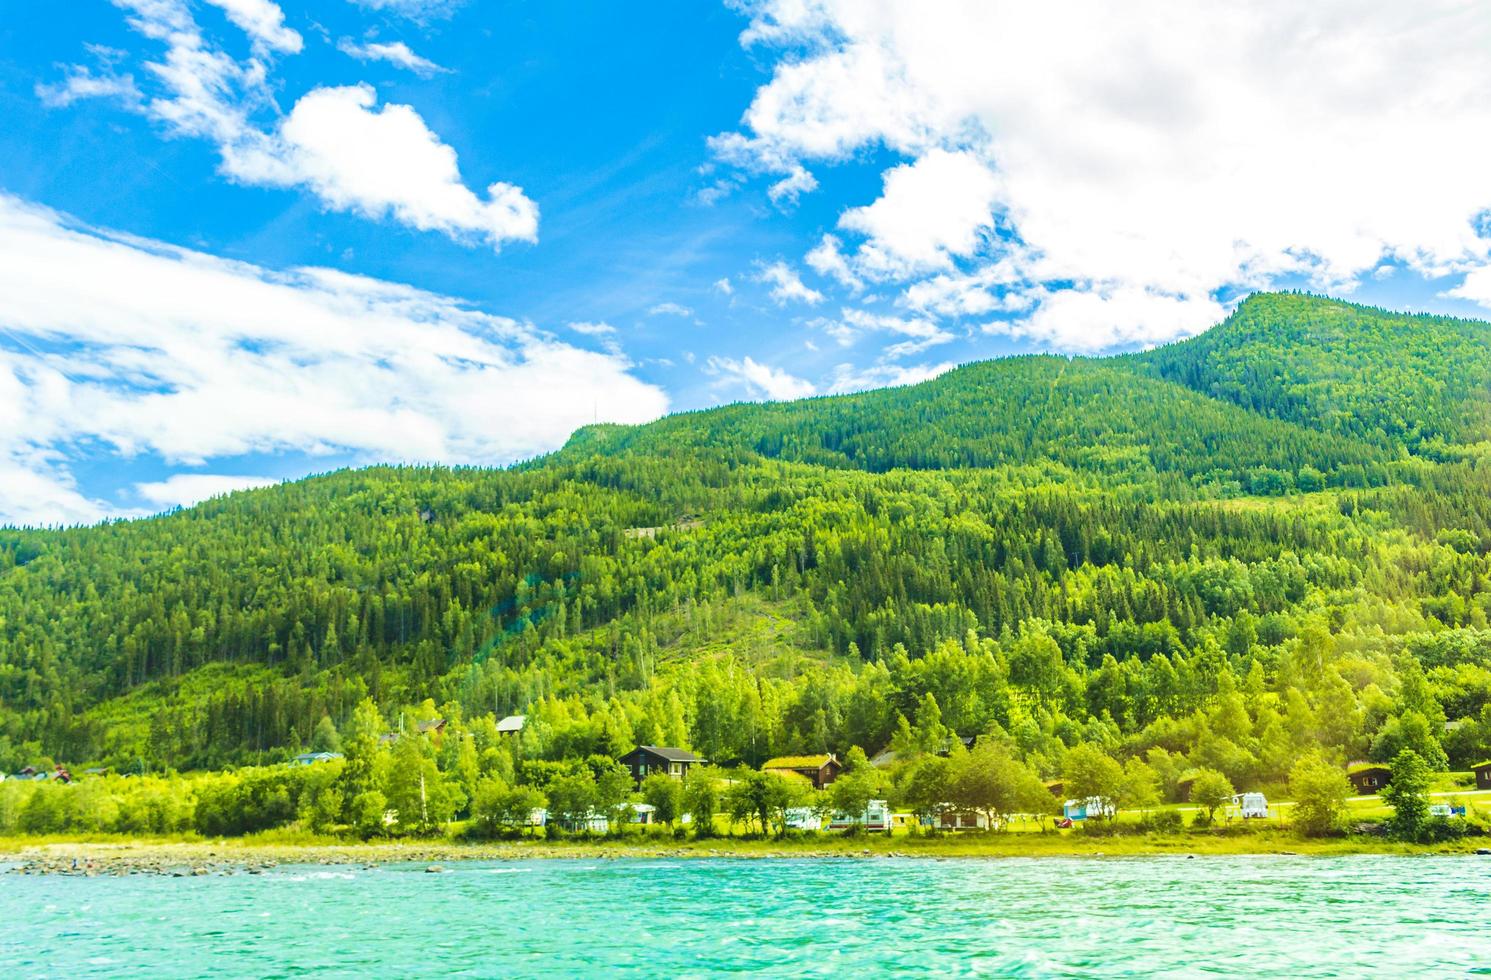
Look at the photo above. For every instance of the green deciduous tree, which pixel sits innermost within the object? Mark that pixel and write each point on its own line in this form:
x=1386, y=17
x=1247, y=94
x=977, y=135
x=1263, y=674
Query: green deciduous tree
x=1320, y=791
x=1211, y=790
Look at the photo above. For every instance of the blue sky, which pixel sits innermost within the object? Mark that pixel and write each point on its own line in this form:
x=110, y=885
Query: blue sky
x=246, y=241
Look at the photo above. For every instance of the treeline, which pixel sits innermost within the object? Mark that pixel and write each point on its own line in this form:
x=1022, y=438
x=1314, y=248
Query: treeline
x=1047, y=553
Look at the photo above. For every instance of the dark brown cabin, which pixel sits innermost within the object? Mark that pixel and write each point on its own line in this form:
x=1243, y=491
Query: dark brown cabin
x=1482, y=772
x=820, y=770
x=647, y=760
x=1368, y=777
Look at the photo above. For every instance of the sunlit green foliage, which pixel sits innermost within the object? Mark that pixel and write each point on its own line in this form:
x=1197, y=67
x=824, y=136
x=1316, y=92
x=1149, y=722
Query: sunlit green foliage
x=1267, y=541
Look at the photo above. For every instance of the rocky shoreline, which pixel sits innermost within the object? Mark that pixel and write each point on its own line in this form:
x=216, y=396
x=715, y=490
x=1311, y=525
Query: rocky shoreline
x=184, y=859
x=195, y=860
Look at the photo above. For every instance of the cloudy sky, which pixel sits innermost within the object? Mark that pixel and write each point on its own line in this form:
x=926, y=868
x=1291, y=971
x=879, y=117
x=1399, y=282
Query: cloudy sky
x=241, y=242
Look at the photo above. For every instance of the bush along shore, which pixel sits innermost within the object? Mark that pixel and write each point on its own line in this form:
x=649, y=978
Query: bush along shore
x=380, y=805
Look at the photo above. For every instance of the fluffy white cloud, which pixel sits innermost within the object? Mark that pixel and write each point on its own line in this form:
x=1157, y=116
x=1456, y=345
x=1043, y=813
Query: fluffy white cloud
x=760, y=380
x=593, y=329
x=1148, y=154
x=847, y=377
x=263, y=22
x=670, y=309
x=142, y=347
x=827, y=259
x=1092, y=320
x=81, y=83
x=378, y=162
x=185, y=489
x=786, y=285
x=396, y=53
x=930, y=212
x=920, y=333
x=336, y=142
x=787, y=190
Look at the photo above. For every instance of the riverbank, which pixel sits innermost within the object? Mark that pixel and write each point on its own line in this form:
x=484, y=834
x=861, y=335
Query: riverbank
x=184, y=858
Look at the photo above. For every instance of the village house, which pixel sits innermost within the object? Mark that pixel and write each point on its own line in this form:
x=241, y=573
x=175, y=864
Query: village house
x=820, y=770
x=1482, y=772
x=1368, y=777
x=512, y=725
x=311, y=758
x=645, y=760
x=962, y=820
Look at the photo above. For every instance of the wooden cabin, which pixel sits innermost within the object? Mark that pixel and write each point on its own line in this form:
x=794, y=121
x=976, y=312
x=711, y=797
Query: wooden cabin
x=647, y=760
x=1482, y=772
x=820, y=770
x=1368, y=777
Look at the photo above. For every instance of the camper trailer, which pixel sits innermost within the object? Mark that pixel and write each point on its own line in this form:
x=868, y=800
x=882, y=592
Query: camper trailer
x=1251, y=806
x=877, y=817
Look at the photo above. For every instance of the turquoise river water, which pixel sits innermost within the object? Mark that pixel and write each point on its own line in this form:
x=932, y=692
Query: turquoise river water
x=1048, y=917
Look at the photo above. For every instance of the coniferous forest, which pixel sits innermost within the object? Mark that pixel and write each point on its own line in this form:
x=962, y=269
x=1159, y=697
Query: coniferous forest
x=1267, y=543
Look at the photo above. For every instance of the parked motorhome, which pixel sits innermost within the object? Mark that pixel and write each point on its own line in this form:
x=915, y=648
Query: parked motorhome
x=877, y=817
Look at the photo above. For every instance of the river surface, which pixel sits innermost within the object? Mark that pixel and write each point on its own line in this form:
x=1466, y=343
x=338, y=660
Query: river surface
x=1047, y=917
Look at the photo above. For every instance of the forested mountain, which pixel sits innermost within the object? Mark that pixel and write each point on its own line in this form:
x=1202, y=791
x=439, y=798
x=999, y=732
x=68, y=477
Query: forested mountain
x=1268, y=539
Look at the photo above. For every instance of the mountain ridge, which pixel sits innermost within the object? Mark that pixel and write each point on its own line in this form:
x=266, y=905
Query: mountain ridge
x=1015, y=524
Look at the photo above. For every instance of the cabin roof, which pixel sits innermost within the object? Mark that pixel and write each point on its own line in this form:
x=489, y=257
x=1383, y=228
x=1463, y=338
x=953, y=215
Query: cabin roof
x=799, y=761
x=668, y=752
x=512, y=723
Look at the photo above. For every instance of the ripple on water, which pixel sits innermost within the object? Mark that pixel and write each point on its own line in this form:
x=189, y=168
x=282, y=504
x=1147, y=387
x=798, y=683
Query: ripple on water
x=1298, y=917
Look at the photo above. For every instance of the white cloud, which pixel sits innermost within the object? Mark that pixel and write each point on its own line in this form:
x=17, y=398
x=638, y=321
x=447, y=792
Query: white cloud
x=1139, y=150
x=185, y=489
x=991, y=288
x=930, y=212
x=396, y=53
x=1476, y=287
x=787, y=190
x=723, y=286
x=143, y=347
x=593, y=329
x=37, y=493
x=786, y=285
x=847, y=378
x=670, y=309
x=760, y=380
x=827, y=259
x=920, y=332
x=263, y=22
x=378, y=162
x=416, y=10
x=335, y=142
x=81, y=83
x=1089, y=320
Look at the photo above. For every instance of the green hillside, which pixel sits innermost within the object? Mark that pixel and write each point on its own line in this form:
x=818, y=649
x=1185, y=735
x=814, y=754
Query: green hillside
x=1097, y=416
x=1266, y=541
x=1392, y=379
